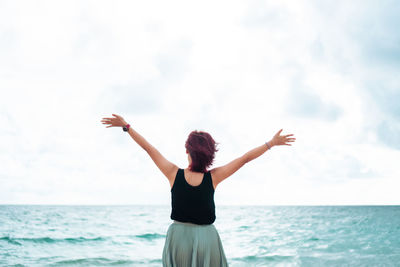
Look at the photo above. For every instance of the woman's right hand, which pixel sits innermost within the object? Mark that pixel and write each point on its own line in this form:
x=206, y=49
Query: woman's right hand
x=118, y=121
x=279, y=140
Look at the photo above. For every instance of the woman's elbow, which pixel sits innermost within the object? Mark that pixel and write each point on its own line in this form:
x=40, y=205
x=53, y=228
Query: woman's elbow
x=148, y=148
x=245, y=158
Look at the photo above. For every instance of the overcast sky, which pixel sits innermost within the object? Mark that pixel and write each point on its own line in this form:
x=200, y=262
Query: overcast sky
x=326, y=71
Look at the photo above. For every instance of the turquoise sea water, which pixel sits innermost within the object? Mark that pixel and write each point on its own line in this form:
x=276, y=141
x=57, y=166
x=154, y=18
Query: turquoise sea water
x=33, y=235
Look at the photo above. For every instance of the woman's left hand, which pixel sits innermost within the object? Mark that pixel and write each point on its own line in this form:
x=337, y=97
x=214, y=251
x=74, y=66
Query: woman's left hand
x=279, y=140
x=118, y=121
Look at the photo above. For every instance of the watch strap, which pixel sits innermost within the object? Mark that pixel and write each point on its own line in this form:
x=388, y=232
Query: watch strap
x=126, y=128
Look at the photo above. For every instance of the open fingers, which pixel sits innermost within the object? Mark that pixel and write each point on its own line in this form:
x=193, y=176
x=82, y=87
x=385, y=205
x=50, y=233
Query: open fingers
x=107, y=122
x=110, y=122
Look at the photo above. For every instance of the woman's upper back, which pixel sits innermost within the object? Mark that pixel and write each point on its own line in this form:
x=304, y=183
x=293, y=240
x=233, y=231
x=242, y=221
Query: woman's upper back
x=192, y=178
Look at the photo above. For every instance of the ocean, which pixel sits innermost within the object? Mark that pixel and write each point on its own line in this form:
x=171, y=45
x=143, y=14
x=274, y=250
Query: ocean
x=39, y=235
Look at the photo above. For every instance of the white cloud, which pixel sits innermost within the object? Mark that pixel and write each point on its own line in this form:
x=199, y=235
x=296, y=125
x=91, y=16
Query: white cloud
x=241, y=71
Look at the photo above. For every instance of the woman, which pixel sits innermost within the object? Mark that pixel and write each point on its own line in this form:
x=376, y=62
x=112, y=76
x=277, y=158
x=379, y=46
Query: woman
x=192, y=239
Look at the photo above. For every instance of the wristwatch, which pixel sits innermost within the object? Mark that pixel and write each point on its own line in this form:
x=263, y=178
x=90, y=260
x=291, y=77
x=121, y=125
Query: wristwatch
x=126, y=128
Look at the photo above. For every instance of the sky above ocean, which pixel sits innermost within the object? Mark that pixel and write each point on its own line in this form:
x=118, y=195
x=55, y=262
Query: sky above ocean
x=327, y=72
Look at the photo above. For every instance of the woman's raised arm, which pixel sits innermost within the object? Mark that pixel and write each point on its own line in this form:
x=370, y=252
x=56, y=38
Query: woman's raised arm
x=166, y=167
x=221, y=173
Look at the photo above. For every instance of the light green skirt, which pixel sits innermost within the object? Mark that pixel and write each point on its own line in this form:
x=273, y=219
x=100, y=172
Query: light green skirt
x=192, y=245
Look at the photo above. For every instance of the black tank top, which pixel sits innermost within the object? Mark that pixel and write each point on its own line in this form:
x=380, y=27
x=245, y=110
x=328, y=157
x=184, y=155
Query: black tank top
x=194, y=204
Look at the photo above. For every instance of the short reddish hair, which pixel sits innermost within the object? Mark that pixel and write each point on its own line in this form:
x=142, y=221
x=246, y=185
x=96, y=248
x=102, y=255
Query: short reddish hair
x=201, y=147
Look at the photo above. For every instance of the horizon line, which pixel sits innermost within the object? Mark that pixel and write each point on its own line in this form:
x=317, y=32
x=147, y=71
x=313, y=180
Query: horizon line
x=220, y=205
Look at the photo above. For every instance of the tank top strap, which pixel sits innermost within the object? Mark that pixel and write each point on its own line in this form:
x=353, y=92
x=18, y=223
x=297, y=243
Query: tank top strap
x=180, y=176
x=208, y=180
x=178, y=179
x=179, y=173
